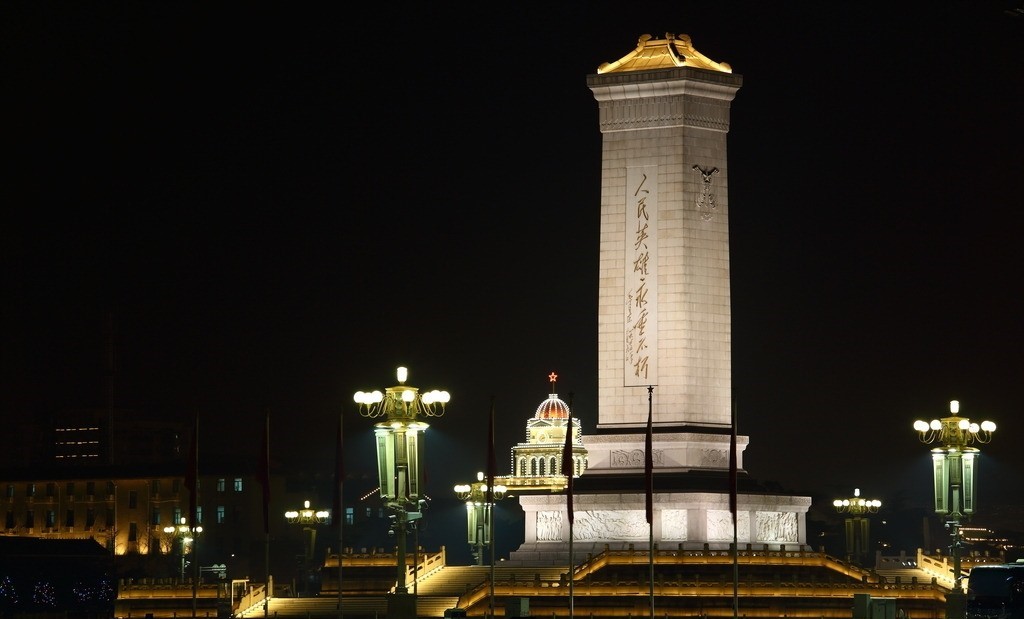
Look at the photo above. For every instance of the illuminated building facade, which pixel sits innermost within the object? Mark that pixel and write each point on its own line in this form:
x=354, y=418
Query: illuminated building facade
x=122, y=488
x=537, y=462
x=127, y=515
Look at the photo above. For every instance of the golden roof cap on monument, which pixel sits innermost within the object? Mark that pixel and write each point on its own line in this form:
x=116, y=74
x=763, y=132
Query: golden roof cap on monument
x=667, y=53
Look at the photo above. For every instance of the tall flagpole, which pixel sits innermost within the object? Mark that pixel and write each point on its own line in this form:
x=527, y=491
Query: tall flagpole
x=733, y=509
x=492, y=467
x=195, y=570
x=649, y=487
x=265, y=482
x=195, y=523
x=192, y=483
x=569, y=469
x=339, y=504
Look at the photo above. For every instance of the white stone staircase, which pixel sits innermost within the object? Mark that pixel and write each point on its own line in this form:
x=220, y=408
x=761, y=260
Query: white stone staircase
x=362, y=606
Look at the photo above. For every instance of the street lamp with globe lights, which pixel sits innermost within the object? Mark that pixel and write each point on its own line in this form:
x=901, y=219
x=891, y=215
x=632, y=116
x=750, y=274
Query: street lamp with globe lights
x=479, y=520
x=953, y=464
x=399, y=438
x=184, y=535
x=308, y=518
x=857, y=526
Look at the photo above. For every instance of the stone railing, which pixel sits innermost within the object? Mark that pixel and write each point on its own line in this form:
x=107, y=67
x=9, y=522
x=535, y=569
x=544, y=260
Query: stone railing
x=428, y=562
x=159, y=588
x=254, y=596
x=587, y=576
x=941, y=566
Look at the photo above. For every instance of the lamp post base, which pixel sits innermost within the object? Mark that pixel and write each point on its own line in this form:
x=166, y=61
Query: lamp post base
x=401, y=606
x=956, y=605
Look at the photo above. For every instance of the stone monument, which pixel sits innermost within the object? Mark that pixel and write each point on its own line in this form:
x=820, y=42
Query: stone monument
x=664, y=325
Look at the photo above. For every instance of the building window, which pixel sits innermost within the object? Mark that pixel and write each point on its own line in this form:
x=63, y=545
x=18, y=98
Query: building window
x=90, y=488
x=111, y=488
x=10, y=491
x=220, y=514
x=221, y=485
x=369, y=513
x=154, y=486
x=199, y=514
x=9, y=523
x=51, y=519
x=156, y=515
x=177, y=516
x=30, y=490
x=30, y=519
x=238, y=484
x=133, y=532
x=176, y=486
x=51, y=490
x=90, y=517
x=70, y=490
x=133, y=499
x=110, y=519
x=69, y=518
x=350, y=515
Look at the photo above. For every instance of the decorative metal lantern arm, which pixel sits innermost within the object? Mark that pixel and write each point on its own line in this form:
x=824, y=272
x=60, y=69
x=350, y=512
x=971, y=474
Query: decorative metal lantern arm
x=954, y=431
x=462, y=491
x=857, y=505
x=401, y=401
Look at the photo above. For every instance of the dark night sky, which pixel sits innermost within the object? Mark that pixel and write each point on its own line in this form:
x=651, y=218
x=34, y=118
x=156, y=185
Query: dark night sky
x=280, y=205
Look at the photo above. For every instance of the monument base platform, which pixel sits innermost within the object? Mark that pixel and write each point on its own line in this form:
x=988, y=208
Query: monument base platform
x=681, y=520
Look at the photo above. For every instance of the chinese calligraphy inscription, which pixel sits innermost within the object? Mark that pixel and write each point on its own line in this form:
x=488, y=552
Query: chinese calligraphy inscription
x=641, y=276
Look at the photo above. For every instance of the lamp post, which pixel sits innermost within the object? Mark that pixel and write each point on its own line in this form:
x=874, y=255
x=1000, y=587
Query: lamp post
x=858, y=527
x=953, y=463
x=399, y=437
x=308, y=518
x=479, y=533
x=183, y=535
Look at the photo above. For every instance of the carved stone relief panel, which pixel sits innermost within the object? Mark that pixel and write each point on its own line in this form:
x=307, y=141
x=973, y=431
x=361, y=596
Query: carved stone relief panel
x=610, y=526
x=706, y=201
x=777, y=527
x=674, y=525
x=714, y=458
x=634, y=458
x=720, y=526
x=549, y=526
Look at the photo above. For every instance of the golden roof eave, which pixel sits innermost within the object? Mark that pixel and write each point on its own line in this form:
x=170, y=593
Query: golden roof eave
x=670, y=52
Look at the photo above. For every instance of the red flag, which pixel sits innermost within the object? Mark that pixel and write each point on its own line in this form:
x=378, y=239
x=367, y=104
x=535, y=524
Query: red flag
x=649, y=459
x=732, y=467
x=192, y=474
x=339, y=476
x=492, y=466
x=567, y=465
x=264, y=473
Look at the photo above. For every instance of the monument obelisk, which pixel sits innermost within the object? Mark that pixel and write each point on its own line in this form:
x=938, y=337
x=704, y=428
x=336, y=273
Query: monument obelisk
x=664, y=320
